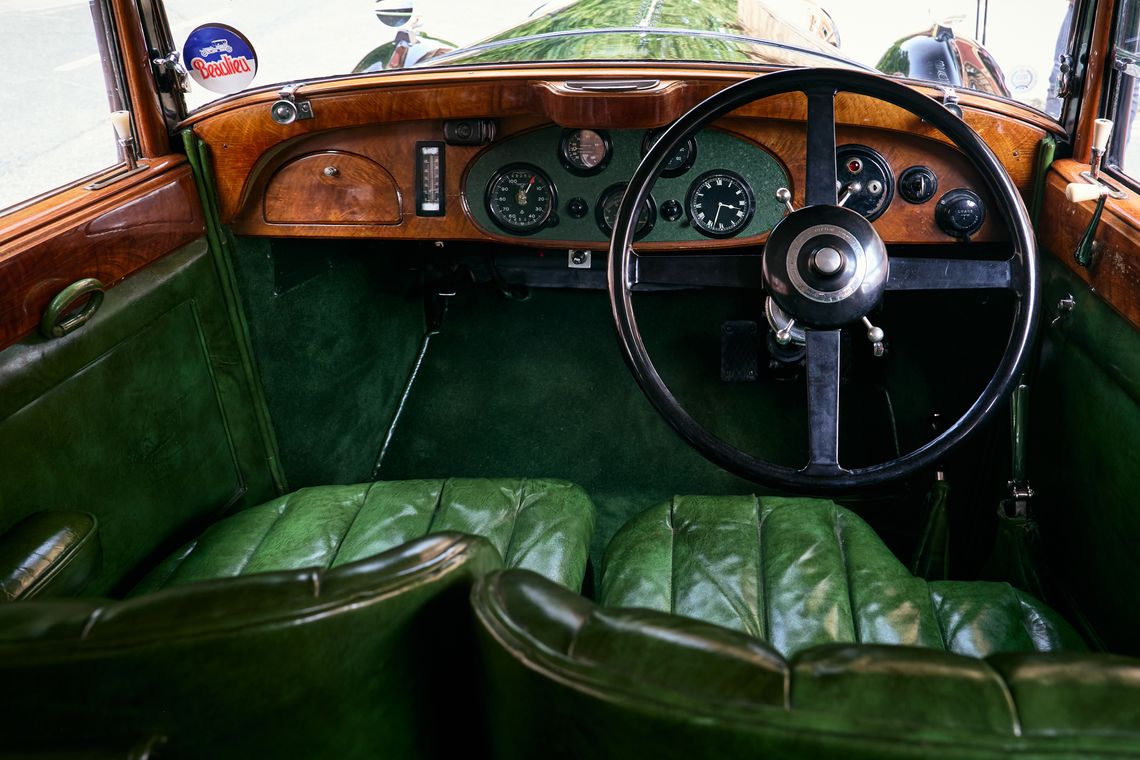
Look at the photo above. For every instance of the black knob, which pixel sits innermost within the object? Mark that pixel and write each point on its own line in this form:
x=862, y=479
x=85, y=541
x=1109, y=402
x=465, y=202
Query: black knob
x=960, y=213
x=577, y=208
x=918, y=184
x=671, y=210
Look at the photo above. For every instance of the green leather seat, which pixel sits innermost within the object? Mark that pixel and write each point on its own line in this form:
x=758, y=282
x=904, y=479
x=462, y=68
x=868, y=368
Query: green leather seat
x=539, y=525
x=570, y=679
x=332, y=622
x=799, y=572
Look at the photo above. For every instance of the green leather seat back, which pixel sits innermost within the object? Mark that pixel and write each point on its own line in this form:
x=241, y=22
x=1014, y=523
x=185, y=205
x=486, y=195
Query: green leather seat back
x=570, y=679
x=539, y=525
x=800, y=572
x=297, y=663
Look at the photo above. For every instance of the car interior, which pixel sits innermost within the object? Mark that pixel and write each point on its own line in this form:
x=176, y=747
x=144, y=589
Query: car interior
x=577, y=408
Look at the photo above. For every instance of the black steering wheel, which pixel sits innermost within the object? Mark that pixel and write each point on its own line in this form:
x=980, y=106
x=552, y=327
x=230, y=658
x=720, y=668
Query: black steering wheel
x=826, y=267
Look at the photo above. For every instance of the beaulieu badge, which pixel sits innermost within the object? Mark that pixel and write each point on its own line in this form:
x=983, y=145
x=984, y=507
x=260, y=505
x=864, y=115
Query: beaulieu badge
x=220, y=58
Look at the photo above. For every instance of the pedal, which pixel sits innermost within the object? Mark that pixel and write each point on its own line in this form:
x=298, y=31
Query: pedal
x=739, y=352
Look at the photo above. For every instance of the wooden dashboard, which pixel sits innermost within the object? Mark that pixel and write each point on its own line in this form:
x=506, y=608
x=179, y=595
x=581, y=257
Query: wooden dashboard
x=351, y=170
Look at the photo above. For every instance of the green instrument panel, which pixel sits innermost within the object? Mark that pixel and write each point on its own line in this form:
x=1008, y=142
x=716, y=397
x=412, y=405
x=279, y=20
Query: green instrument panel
x=526, y=187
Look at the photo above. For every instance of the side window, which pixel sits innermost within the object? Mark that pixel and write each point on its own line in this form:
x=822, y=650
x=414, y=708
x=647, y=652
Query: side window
x=59, y=83
x=1124, y=92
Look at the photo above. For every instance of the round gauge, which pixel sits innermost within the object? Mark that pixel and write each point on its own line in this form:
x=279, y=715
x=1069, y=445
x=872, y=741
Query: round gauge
x=720, y=203
x=520, y=198
x=607, y=211
x=681, y=160
x=858, y=166
x=585, y=151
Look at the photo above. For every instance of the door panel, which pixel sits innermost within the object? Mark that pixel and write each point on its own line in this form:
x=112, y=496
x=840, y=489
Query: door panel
x=45, y=249
x=143, y=417
x=1086, y=417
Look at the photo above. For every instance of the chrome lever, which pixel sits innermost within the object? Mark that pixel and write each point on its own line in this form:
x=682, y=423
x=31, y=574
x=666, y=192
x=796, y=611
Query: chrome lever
x=876, y=336
x=784, y=195
x=848, y=191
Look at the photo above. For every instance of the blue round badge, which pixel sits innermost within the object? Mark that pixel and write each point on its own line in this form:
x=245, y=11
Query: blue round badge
x=219, y=58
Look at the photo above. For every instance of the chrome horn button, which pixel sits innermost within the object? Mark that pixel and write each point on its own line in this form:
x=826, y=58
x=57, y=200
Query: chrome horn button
x=827, y=261
x=825, y=266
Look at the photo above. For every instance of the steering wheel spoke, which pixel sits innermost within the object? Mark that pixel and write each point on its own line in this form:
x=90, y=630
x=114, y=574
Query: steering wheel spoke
x=820, y=188
x=823, y=402
x=705, y=270
x=953, y=274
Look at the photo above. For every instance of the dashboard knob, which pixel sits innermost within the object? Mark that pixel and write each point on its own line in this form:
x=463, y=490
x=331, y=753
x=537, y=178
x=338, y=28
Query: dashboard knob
x=671, y=210
x=918, y=184
x=960, y=213
x=577, y=208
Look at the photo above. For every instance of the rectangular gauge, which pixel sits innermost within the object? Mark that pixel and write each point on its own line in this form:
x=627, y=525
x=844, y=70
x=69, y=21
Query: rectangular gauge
x=429, y=179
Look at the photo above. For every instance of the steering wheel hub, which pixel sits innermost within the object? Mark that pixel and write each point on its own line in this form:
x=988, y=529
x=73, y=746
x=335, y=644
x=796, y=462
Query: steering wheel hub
x=825, y=266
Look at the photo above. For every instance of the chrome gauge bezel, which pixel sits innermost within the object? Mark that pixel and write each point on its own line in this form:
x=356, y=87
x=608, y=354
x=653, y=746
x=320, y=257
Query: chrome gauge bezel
x=568, y=163
x=493, y=211
x=617, y=190
x=873, y=167
x=690, y=147
x=737, y=228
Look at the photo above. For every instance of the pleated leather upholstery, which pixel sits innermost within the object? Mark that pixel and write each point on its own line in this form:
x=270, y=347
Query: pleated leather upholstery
x=539, y=525
x=801, y=572
x=633, y=679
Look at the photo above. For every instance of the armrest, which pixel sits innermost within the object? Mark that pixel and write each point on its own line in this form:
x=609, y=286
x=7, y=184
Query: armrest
x=49, y=554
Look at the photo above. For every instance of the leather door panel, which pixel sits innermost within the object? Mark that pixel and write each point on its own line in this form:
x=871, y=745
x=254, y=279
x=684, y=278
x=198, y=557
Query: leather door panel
x=142, y=417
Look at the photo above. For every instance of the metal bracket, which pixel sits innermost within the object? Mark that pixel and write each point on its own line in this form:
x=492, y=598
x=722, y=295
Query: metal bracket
x=1112, y=191
x=1064, y=75
x=117, y=176
x=289, y=108
x=1065, y=307
x=171, y=69
x=950, y=101
x=1020, y=491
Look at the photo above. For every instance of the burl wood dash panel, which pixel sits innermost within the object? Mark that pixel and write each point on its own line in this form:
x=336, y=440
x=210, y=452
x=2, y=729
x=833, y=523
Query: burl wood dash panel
x=381, y=118
x=332, y=187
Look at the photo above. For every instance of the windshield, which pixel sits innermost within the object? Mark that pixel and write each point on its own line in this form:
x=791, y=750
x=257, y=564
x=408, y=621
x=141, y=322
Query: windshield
x=1008, y=48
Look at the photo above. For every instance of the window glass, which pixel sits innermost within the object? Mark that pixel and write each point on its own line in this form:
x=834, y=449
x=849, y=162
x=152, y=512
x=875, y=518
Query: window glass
x=54, y=97
x=1004, y=47
x=1124, y=150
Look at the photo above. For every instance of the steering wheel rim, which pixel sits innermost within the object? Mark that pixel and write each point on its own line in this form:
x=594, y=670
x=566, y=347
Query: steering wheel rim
x=820, y=86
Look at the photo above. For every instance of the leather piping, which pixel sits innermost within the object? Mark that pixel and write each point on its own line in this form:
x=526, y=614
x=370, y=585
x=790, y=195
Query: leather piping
x=344, y=537
x=515, y=523
x=937, y=618
x=438, y=504
x=672, y=554
x=261, y=541
x=397, y=580
x=837, y=520
x=64, y=561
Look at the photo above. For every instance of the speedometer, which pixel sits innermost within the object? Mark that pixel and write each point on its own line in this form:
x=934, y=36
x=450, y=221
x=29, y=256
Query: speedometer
x=521, y=198
x=585, y=151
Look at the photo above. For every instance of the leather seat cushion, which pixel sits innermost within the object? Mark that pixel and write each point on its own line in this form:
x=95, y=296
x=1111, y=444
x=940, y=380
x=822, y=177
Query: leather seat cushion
x=539, y=525
x=801, y=572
